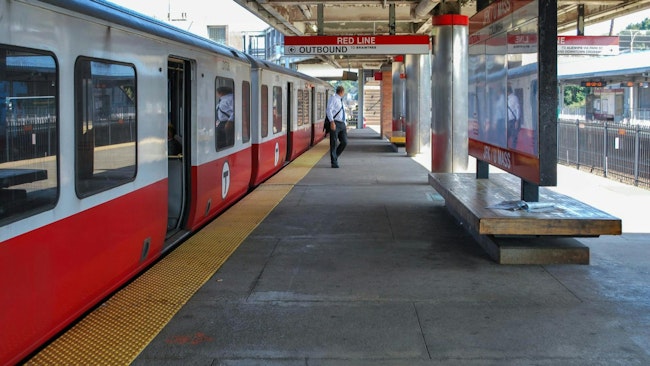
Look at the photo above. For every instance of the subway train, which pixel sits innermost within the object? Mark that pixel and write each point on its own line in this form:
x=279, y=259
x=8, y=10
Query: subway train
x=119, y=137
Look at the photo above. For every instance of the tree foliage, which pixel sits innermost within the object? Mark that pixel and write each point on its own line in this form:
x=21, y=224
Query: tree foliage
x=351, y=87
x=574, y=96
x=643, y=25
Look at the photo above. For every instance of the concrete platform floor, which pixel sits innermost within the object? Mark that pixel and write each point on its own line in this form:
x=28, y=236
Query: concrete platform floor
x=363, y=265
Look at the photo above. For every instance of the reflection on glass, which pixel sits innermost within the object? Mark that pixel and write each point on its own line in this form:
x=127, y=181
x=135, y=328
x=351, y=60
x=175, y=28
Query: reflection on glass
x=503, y=91
x=106, y=125
x=277, y=109
x=28, y=133
x=224, y=113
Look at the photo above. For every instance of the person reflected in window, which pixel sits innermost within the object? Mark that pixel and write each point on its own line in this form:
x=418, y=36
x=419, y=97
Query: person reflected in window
x=225, y=118
x=174, y=147
x=338, y=130
x=497, y=134
x=514, y=118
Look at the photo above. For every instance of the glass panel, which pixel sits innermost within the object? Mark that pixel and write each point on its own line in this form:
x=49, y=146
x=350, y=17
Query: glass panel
x=277, y=109
x=303, y=107
x=225, y=113
x=522, y=93
x=106, y=125
x=246, y=111
x=28, y=133
x=495, y=58
x=320, y=111
x=264, y=112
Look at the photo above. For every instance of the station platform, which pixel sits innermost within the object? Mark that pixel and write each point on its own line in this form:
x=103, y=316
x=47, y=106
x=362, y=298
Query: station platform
x=364, y=265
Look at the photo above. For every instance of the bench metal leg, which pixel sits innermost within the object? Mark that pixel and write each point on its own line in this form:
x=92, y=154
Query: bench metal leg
x=482, y=169
x=529, y=191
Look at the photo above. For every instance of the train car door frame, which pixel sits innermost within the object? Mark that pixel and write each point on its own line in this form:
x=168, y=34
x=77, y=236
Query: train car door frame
x=290, y=130
x=179, y=109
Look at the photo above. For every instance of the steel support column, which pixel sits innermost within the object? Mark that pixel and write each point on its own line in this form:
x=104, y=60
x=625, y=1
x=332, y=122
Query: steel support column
x=449, y=73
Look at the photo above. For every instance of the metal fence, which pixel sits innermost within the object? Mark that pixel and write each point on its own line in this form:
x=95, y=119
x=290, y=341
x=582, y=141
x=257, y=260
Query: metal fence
x=26, y=138
x=36, y=136
x=636, y=116
x=613, y=150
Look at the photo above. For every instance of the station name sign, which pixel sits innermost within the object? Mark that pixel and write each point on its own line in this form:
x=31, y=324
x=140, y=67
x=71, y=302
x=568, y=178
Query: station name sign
x=587, y=45
x=356, y=45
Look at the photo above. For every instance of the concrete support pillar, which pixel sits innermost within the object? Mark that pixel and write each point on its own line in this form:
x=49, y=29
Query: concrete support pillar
x=399, y=94
x=320, y=18
x=580, y=26
x=449, y=129
x=391, y=19
x=360, y=94
x=418, y=104
x=482, y=4
x=386, y=100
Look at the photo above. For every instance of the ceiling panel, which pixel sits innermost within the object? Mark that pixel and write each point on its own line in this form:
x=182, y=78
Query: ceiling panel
x=358, y=17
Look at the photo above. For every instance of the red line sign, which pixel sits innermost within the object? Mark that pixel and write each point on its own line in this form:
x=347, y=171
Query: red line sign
x=360, y=45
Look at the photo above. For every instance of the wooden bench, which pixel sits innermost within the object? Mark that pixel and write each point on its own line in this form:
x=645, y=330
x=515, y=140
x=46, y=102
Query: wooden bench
x=541, y=236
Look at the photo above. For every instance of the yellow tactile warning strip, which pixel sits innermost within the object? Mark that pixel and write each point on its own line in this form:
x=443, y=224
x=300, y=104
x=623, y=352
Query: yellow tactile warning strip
x=117, y=331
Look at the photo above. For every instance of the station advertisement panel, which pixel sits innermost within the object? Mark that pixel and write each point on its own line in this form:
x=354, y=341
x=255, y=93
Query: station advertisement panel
x=503, y=93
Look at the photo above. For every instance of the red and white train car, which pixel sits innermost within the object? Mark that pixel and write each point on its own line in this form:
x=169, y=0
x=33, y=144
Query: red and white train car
x=91, y=95
x=280, y=133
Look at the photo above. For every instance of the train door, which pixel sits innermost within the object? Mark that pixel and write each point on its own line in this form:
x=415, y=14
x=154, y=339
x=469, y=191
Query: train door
x=178, y=142
x=313, y=114
x=290, y=130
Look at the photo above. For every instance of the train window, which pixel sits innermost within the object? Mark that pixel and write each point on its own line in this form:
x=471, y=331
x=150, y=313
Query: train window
x=303, y=107
x=277, y=109
x=320, y=103
x=246, y=111
x=28, y=133
x=224, y=113
x=264, y=112
x=105, y=125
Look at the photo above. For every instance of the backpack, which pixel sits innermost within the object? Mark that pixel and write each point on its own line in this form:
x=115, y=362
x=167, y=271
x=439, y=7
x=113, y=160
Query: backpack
x=326, y=125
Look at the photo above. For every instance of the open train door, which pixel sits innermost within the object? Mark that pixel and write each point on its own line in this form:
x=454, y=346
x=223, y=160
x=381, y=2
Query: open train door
x=290, y=131
x=179, y=88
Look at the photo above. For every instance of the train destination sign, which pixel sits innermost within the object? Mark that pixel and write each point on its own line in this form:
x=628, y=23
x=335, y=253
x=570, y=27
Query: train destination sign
x=356, y=45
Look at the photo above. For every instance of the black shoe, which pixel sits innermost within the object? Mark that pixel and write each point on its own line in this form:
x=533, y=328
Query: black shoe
x=335, y=165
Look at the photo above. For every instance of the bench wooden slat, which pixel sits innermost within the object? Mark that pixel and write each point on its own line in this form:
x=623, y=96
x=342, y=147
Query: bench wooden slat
x=471, y=199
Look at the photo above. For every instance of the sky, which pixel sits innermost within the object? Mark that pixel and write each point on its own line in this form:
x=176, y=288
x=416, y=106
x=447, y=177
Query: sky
x=201, y=12
x=619, y=24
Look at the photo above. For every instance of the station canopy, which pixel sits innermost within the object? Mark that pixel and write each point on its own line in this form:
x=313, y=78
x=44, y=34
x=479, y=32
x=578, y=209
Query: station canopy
x=368, y=17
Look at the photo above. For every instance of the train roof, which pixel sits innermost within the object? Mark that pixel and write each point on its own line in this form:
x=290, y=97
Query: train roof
x=620, y=66
x=116, y=14
x=257, y=63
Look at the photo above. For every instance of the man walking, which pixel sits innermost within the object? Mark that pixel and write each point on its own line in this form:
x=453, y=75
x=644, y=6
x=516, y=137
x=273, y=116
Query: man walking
x=338, y=130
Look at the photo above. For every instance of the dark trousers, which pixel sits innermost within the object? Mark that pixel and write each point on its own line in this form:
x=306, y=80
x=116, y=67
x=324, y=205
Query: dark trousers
x=513, y=133
x=340, y=135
